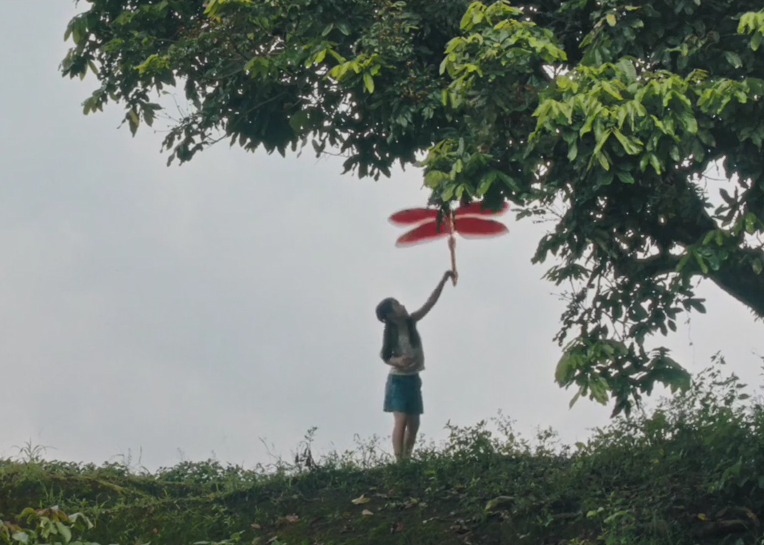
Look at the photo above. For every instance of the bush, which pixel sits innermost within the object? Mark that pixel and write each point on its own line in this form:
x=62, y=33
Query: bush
x=689, y=471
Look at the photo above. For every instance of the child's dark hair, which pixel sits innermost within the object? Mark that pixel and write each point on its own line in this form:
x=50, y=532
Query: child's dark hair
x=390, y=335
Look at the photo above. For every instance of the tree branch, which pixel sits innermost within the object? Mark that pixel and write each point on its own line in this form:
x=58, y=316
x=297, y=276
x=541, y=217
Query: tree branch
x=737, y=277
x=651, y=266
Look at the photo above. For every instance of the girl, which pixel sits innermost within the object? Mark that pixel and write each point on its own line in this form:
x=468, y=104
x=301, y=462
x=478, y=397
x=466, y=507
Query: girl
x=402, y=351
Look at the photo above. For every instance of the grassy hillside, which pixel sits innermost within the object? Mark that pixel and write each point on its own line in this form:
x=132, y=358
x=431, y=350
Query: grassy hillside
x=692, y=471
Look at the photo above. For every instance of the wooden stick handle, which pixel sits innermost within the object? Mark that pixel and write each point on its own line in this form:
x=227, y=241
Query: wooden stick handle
x=452, y=247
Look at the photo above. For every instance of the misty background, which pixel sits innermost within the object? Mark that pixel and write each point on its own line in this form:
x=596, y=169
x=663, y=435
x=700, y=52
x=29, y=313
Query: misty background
x=190, y=312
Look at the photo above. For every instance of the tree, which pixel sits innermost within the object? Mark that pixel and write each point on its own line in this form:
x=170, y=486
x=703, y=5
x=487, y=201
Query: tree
x=602, y=117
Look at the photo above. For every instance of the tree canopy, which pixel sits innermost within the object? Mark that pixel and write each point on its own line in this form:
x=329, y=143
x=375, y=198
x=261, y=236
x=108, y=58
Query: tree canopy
x=601, y=116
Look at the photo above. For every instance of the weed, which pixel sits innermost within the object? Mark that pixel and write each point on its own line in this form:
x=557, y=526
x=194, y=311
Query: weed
x=30, y=453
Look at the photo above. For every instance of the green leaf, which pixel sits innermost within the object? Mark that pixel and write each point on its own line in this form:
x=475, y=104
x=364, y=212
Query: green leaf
x=604, y=163
x=627, y=67
x=21, y=537
x=631, y=146
x=674, y=154
x=65, y=532
x=747, y=21
x=337, y=57
x=212, y=6
x=610, y=19
x=486, y=182
x=655, y=162
x=77, y=516
x=750, y=223
x=587, y=126
x=756, y=41
x=133, y=121
x=683, y=262
x=599, y=388
x=697, y=305
x=689, y=122
x=434, y=178
x=757, y=265
x=601, y=142
x=572, y=151
x=564, y=369
x=697, y=150
x=677, y=378
x=612, y=91
x=701, y=262
x=299, y=120
x=368, y=81
x=508, y=180
x=733, y=58
x=466, y=20
x=625, y=177
x=594, y=512
x=250, y=65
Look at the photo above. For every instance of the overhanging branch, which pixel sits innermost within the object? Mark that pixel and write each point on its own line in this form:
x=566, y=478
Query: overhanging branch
x=651, y=266
x=737, y=277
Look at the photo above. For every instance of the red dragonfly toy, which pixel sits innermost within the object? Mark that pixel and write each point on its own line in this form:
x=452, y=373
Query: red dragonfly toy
x=466, y=220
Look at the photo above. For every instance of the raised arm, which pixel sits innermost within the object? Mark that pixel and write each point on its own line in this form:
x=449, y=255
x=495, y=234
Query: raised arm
x=422, y=312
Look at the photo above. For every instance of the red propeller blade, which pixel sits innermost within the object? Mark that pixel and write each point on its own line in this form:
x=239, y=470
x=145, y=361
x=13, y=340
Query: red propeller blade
x=476, y=209
x=413, y=215
x=479, y=227
x=424, y=233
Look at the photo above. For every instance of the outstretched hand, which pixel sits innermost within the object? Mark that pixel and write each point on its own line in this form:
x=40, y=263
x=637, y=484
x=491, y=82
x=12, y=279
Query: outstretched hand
x=448, y=275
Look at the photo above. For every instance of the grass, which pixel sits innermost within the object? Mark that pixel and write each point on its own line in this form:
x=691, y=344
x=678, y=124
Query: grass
x=691, y=471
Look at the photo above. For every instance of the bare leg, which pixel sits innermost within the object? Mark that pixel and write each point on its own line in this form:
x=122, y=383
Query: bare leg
x=399, y=433
x=412, y=427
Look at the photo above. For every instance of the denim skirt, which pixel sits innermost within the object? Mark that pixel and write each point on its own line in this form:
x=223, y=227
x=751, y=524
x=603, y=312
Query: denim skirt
x=403, y=394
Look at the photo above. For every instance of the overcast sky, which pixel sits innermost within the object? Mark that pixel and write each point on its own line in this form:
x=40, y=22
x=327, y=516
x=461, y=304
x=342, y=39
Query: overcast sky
x=198, y=309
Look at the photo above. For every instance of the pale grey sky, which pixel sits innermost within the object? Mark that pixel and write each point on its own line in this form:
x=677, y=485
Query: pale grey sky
x=207, y=306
